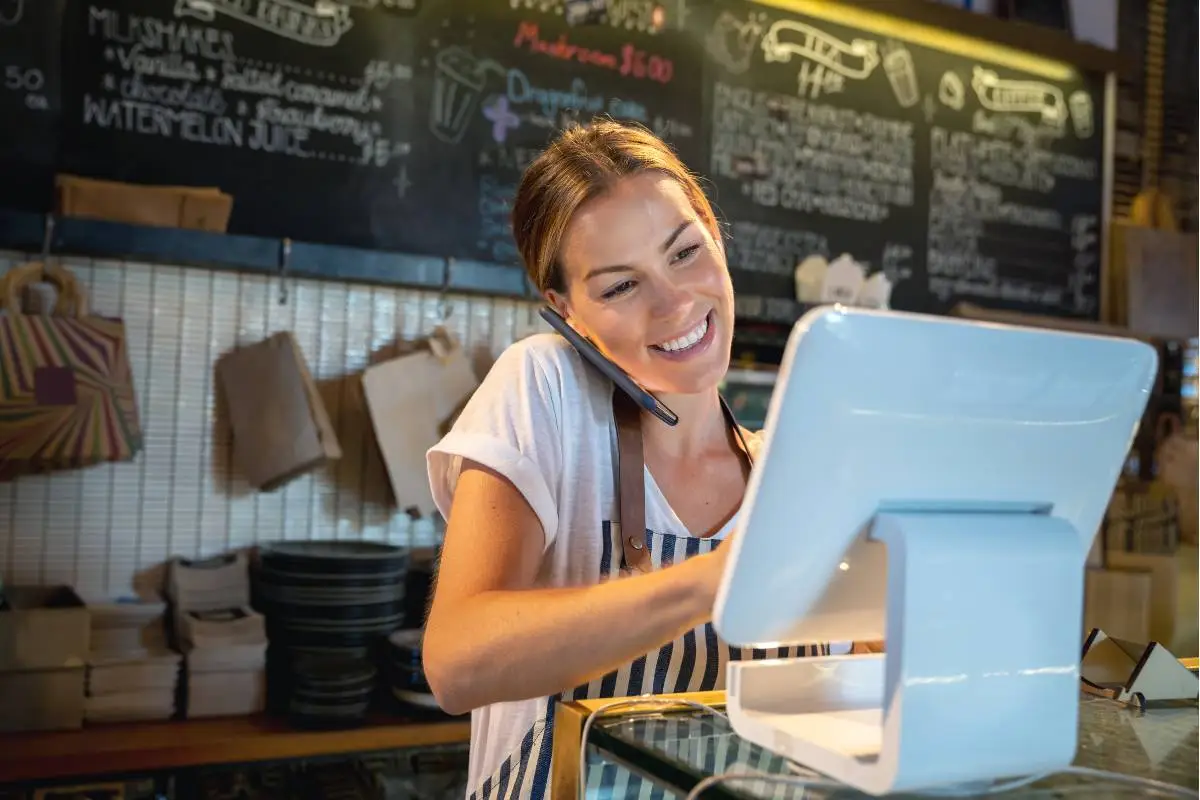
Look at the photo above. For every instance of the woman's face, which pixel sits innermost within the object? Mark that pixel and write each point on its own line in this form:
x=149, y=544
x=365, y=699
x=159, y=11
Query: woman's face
x=647, y=282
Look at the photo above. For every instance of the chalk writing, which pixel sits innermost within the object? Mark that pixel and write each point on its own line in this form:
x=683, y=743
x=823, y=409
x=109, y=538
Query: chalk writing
x=184, y=80
x=896, y=261
x=631, y=61
x=167, y=37
x=528, y=36
x=826, y=60
x=803, y=156
x=670, y=129
x=1006, y=163
x=756, y=308
x=788, y=37
x=1085, y=242
x=974, y=247
x=633, y=15
x=29, y=82
x=638, y=64
x=322, y=25
x=552, y=102
x=495, y=209
x=1035, y=97
x=508, y=157
x=755, y=247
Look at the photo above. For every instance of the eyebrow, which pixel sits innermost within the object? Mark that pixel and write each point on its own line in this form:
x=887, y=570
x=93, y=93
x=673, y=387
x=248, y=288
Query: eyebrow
x=664, y=247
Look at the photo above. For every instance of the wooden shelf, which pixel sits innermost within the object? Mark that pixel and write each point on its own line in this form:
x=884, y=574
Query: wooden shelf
x=144, y=747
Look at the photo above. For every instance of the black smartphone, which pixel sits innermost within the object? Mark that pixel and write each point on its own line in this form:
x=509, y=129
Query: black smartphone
x=593, y=356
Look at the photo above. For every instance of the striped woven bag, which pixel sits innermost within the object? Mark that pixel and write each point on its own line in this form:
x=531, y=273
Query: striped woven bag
x=66, y=390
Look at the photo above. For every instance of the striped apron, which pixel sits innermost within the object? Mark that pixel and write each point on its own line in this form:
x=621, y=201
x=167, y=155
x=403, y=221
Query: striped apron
x=695, y=662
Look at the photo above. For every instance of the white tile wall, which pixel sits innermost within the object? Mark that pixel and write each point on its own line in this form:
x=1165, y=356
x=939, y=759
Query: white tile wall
x=107, y=529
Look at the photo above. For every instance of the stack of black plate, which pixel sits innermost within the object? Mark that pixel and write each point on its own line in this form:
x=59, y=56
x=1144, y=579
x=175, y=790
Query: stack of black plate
x=330, y=691
x=336, y=601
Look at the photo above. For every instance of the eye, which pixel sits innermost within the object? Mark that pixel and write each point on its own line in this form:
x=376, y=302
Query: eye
x=687, y=252
x=618, y=290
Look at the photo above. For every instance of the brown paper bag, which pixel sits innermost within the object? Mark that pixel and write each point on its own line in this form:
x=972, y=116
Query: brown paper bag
x=409, y=399
x=281, y=428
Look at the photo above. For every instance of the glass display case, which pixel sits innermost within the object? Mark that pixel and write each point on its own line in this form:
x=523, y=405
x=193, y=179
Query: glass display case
x=665, y=753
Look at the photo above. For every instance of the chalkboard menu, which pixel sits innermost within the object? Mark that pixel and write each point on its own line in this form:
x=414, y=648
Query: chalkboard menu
x=959, y=179
x=405, y=125
x=354, y=123
x=505, y=83
x=29, y=102
x=304, y=113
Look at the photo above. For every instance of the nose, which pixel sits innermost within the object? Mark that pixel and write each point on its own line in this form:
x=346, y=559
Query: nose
x=671, y=300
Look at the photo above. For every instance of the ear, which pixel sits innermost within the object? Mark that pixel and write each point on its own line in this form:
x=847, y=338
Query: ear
x=559, y=303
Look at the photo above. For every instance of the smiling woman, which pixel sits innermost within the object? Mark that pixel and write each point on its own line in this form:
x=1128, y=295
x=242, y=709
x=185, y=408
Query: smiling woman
x=532, y=602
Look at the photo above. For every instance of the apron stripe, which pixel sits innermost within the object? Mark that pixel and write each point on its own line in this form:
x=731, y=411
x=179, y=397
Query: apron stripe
x=526, y=753
x=637, y=671
x=712, y=659
x=541, y=775
x=606, y=550
x=505, y=773
x=662, y=665
x=687, y=666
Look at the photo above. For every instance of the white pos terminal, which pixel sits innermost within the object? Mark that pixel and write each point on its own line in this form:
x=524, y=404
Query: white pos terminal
x=936, y=483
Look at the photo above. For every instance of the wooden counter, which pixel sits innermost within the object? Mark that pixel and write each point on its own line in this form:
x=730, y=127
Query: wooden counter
x=143, y=747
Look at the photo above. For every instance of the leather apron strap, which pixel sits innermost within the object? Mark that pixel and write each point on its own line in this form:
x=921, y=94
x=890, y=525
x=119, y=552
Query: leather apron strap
x=631, y=481
x=631, y=476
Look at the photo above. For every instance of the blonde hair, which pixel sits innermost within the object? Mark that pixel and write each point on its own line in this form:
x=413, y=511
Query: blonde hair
x=582, y=163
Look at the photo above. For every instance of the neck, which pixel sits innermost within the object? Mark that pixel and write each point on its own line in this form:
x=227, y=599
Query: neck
x=701, y=425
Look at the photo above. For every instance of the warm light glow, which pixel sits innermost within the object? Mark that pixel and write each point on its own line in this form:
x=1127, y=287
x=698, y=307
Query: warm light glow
x=658, y=18
x=928, y=36
x=843, y=566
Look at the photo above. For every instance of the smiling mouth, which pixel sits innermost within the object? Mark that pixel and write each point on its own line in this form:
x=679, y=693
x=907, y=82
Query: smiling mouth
x=689, y=340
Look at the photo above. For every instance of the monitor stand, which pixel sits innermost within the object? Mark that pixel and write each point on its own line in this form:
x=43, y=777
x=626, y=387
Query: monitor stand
x=980, y=680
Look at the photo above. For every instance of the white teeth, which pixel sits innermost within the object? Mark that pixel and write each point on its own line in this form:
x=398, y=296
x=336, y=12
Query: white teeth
x=686, y=341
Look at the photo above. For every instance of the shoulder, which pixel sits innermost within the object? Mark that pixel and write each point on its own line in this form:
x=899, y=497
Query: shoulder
x=548, y=353
x=542, y=377
x=548, y=362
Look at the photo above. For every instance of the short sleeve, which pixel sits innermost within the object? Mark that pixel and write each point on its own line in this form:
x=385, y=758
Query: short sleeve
x=510, y=425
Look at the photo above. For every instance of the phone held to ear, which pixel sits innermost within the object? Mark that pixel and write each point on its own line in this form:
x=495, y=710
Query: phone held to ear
x=593, y=356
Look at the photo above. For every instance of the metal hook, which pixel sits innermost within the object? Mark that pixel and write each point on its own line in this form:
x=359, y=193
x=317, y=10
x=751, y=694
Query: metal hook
x=47, y=238
x=285, y=257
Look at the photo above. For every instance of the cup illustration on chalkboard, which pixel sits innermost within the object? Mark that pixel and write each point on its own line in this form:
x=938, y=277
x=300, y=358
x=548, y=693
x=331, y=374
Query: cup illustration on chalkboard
x=458, y=84
x=902, y=74
x=731, y=42
x=1080, y=105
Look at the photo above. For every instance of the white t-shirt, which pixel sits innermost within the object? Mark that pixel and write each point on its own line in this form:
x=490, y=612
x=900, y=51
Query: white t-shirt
x=543, y=419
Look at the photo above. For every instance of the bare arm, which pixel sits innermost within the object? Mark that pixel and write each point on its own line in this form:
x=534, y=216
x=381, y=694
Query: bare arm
x=491, y=638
